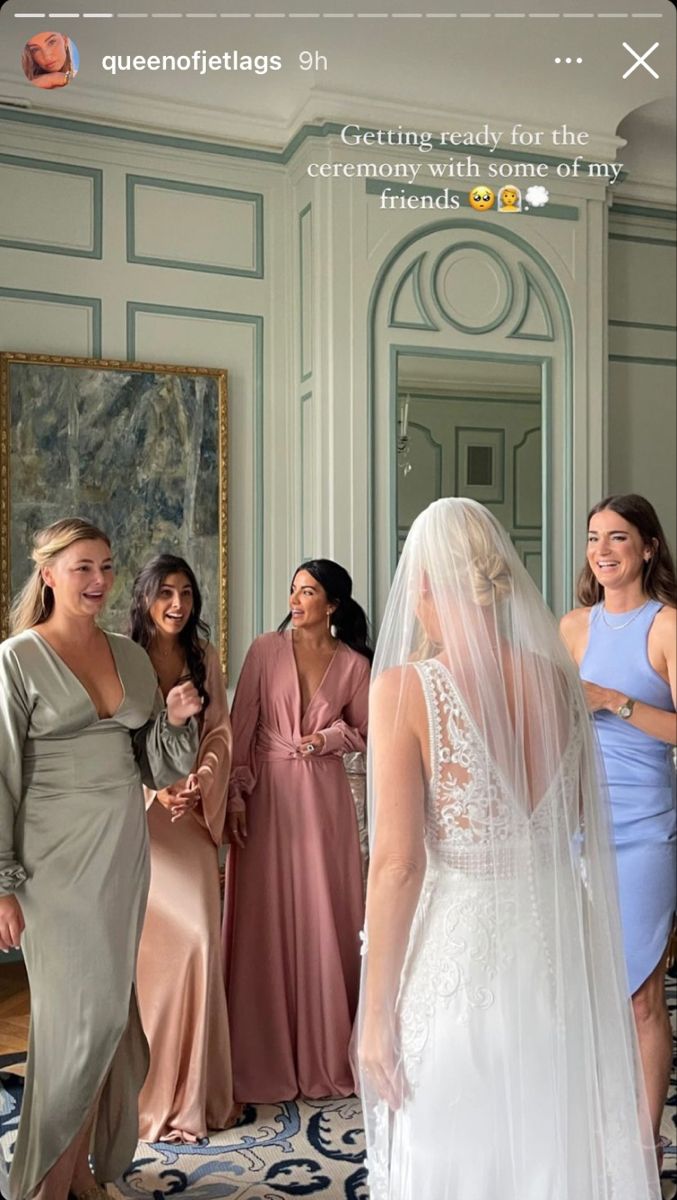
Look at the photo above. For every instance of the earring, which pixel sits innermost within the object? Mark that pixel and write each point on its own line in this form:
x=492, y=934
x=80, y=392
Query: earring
x=330, y=625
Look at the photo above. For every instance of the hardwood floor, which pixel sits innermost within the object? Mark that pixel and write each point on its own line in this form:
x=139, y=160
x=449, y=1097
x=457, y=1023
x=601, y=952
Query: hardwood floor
x=14, y=1014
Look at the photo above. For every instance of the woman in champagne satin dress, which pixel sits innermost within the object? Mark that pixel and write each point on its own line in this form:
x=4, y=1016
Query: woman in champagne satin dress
x=79, y=733
x=188, y=1089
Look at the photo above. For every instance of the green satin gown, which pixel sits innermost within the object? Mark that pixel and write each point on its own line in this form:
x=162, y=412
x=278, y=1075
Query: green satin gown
x=73, y=846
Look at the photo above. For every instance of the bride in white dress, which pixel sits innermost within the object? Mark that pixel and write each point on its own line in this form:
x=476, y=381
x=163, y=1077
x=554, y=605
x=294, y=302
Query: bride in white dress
x=495, y=1044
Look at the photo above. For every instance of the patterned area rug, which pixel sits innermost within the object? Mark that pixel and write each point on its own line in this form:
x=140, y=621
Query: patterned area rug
x=669, y=1123
x=277, y=1151
x=313, y=1148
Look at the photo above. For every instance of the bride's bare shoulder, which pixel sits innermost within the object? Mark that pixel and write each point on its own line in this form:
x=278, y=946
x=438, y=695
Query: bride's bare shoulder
x=397, y=693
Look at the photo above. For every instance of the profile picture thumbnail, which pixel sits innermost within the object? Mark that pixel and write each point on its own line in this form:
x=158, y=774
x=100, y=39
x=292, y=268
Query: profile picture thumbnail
x=50, y=60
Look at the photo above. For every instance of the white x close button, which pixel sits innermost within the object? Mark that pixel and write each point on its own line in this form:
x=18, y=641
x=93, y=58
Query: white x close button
x=640, y=60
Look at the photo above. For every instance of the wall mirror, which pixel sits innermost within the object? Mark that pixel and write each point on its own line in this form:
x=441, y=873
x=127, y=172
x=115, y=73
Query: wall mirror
x=473, y=426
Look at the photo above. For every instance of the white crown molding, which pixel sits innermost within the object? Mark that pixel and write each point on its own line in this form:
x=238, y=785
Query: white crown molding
x=237, y=128
x=646, y=191
x=168, y=117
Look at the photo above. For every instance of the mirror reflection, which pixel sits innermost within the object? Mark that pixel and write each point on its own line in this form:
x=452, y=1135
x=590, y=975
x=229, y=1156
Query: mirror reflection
x=472, y=427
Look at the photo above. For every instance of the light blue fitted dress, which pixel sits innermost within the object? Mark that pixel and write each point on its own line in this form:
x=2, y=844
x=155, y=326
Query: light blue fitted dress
x=639, y=774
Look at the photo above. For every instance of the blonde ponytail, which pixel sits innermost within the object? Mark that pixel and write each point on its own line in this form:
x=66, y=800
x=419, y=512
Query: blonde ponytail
x=35, y=602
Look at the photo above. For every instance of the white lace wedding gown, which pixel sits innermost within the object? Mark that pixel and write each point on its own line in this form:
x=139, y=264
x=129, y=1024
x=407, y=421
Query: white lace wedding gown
x=506, y=1097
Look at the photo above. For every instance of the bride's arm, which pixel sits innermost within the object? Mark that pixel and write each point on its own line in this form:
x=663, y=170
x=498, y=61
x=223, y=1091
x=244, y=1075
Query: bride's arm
x=397, y=866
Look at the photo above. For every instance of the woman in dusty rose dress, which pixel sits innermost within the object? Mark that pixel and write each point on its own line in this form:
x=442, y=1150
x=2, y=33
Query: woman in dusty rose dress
x=294, y=904
x=180, y=976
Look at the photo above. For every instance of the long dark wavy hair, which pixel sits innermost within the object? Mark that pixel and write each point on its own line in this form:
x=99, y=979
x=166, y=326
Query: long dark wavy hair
x=658, y=574
x=348, y=618
x=145, y=592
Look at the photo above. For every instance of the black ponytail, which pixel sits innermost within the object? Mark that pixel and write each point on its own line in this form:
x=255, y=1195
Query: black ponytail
x=348, y=619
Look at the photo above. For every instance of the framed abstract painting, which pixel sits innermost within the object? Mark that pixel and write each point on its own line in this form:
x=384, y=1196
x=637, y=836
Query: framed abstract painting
x=140, y=449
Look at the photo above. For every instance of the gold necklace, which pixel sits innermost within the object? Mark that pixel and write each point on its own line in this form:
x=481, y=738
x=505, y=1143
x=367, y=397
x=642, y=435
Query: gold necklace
x=625, y=623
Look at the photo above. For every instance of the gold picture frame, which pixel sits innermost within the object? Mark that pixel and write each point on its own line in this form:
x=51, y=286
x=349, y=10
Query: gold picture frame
x=139, y=448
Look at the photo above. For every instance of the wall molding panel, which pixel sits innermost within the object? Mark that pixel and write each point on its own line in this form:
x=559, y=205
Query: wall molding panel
x=226, y=226
x=306, y=274
x=308, y=482
x=80, y=322
x=407, y=300
x=642, y=356
x=468, y=261
x=26, y=223
x=524, y=452
x=535, y=320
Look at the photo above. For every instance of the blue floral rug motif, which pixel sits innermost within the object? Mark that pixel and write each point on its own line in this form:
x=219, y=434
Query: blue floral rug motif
x=311, y=1148
x=669, y=1123
x=11, y=1091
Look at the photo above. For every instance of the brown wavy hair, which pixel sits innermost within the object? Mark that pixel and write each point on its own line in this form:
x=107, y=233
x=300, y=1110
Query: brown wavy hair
x=659, y=581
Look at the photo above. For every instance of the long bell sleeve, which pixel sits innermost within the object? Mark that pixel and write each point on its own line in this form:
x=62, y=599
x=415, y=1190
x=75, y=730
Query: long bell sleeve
x=164, y=752
x=245, y=717
x=214, y=752
x=348, y=734
x=15, y=711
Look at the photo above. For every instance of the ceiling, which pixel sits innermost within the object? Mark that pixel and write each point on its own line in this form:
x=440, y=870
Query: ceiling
x=468, y=376
x=419, y=70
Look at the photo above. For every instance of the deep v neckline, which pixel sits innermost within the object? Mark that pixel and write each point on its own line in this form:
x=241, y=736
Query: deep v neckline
x=493, y=764
x=304, y=712
x=184, y=674
x=55, y=654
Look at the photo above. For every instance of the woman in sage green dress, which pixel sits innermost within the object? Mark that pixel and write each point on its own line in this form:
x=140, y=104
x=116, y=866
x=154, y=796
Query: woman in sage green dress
x=80, y=729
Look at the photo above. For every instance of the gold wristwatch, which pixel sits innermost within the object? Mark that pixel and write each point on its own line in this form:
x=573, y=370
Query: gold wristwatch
x=624, y=710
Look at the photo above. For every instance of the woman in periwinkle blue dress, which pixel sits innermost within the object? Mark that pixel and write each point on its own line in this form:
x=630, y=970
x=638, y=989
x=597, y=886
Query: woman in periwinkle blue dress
x=624, y=640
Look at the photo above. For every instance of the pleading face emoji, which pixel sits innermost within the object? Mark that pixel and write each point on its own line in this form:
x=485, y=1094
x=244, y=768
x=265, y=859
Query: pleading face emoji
x=481, y=198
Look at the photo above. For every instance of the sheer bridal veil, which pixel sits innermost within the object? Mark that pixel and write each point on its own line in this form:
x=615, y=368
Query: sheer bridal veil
x=494, y=1041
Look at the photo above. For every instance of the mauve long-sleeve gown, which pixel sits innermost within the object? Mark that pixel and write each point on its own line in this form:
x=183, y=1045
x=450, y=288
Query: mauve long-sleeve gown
x=294, y=905
x=182, y=1000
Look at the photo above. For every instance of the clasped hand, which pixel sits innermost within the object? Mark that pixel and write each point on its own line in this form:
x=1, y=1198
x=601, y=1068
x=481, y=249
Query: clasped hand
x=183, y=799
x=312, y=743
